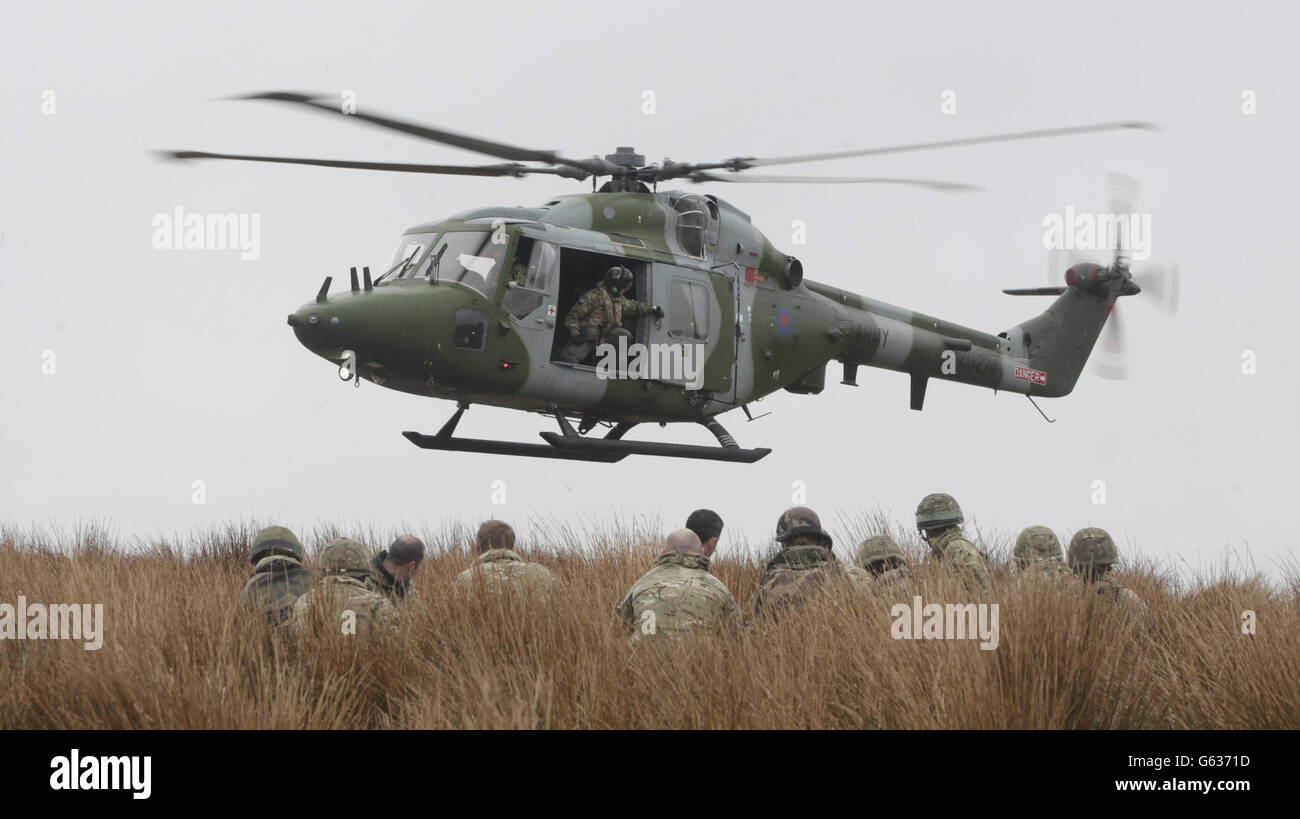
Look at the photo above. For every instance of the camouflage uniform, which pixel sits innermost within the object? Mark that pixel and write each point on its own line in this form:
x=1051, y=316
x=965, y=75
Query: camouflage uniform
x=678, y=596
x=1038, y=552
x=346, y=568
x=955, y=553
x=382, y=581
x=598, y=317
x=279, y=577
x=500, y=569
x=874, y=556
x=804, y=567
x=1092, y=553
x=1123, y=596
x=961, y=559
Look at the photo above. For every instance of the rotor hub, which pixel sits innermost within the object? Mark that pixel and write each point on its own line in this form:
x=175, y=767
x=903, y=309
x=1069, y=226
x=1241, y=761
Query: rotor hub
x=626, y=157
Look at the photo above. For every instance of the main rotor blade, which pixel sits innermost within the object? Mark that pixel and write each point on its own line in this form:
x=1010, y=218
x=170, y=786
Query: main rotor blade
x=705, y=176
x=741, y=163
x=500, y=150
x=1034, y=291
x=506, y=169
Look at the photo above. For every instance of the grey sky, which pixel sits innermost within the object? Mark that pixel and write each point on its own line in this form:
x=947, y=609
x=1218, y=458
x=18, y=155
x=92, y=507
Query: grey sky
x=176, y=366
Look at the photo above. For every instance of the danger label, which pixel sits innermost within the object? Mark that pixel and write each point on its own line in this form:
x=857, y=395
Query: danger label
x=1032, y=376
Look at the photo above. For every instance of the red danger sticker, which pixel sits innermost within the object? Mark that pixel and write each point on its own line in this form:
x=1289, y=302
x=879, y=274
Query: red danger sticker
x=1032, y=376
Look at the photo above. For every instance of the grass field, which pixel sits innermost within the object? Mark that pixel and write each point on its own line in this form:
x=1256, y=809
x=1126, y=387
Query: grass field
x=178, y=654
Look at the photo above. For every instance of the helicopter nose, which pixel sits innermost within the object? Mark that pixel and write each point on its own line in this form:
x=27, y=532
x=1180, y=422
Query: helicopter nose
x=319, y=328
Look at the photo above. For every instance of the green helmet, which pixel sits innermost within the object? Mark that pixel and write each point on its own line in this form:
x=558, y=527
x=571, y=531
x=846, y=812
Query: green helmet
x=344, y=556
x=274, y=540
x=936, y=511
x=1092, y=547
x=618, y=277
x=878, y=547
x=800, y=520
x=1037, y=544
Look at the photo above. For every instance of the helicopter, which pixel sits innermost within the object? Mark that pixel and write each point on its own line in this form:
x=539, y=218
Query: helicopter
x=472, y=308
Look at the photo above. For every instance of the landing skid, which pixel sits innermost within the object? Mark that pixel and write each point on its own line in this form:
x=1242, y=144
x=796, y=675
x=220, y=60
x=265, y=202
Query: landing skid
x=569, y=445
x=444, y=441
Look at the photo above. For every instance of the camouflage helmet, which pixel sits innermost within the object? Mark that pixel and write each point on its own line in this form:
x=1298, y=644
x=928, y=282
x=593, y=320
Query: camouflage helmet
x=274, y=540
x=938, y=510
x=1037, y=543
x=1092, y=546
x=618, y=277
x=878, y=547
x=800, y=520
x=344, y=556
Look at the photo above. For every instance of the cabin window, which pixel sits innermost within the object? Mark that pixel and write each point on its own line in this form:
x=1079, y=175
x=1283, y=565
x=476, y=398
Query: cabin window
x=688, y=309
x=536, y=264
x=692, y=224
x=469, y=331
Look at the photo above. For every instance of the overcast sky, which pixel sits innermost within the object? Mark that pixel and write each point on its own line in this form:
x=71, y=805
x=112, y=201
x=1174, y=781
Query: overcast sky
x=174, y=366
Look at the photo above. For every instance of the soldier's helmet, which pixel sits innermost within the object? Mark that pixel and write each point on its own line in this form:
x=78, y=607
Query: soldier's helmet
x=1092, y=547
x=618, y=277
x=274, y=540
x=344, y=556
x=1037, y=544
x=878, y=547
x=800, y=520
x=938, y=510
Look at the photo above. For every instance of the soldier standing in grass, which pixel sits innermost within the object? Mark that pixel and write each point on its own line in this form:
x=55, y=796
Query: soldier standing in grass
x=498, y=568
x=939, y=520
x=679, y=595
x=707, y=526
x=804, y=567
x=880, y=556
x=279, y=576
x=392, y=569
x=1038, y=552
x=343, y=600
x=1092, y=553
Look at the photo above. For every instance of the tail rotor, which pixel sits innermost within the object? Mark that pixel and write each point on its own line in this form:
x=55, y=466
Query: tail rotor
x=1159, y=279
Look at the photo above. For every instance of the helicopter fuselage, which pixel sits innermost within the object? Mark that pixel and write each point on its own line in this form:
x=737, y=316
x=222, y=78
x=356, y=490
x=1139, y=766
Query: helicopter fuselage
x=472, y=310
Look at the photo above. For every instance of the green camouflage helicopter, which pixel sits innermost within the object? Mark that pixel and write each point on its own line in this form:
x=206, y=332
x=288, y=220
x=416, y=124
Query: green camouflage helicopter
x=471, y=308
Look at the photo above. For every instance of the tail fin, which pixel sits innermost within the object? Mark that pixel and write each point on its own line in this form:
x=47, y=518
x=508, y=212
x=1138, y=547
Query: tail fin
x=1059, y=340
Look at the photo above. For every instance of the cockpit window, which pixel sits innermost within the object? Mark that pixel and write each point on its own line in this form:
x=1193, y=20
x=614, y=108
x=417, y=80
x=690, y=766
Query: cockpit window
x=472, y=258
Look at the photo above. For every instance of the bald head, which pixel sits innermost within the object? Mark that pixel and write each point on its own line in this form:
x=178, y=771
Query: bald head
x=684, y=541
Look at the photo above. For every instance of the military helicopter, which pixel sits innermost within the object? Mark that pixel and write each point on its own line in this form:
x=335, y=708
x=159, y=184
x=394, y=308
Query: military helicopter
x=471, y=308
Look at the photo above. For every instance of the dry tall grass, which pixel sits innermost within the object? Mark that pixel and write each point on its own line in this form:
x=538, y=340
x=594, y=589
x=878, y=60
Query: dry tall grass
x=177, y=654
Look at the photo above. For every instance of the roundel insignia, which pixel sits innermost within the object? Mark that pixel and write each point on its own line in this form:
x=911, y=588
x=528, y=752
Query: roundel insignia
x=783, y=320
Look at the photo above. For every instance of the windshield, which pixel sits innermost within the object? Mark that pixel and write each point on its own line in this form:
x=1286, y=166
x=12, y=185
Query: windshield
x=406, y=256
x=471, y=258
